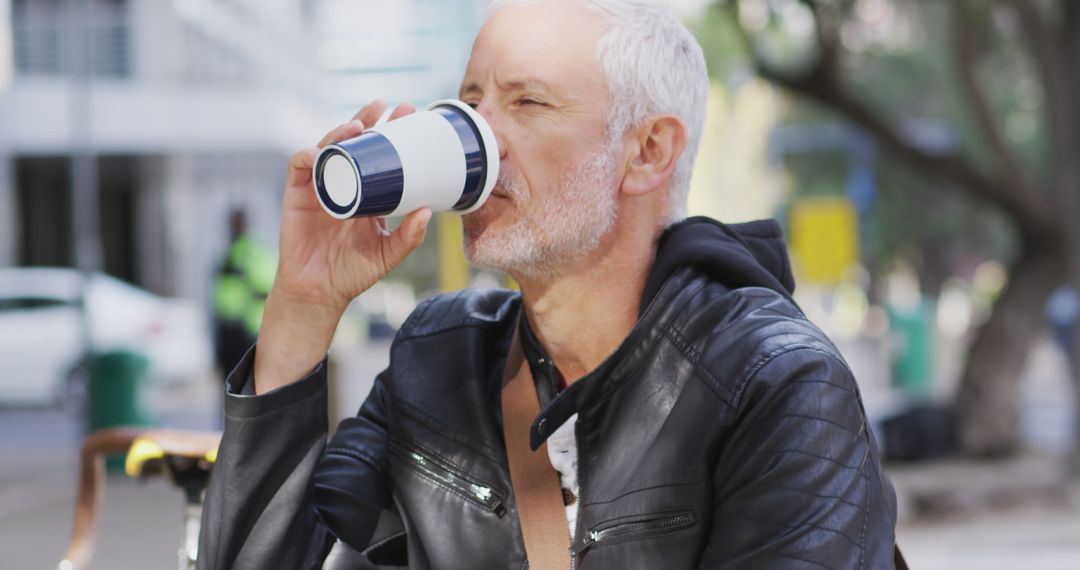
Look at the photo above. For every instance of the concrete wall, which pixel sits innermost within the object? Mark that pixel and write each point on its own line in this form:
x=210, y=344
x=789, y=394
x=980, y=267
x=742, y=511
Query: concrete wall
x=152, y=119
x=7, y=57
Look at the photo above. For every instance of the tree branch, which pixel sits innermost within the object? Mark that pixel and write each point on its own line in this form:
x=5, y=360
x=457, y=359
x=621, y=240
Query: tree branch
x=820, y=83
x=1052, y=71
x=967, y=60
x=1070, y=30
x=1068, y=171
x=1070, y=50
x=827, y=39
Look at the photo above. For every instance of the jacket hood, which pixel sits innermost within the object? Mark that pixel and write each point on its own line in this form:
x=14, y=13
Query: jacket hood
x=752, y=254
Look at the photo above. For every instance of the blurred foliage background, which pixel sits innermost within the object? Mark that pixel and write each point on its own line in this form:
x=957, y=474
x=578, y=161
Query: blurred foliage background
x=952, y=128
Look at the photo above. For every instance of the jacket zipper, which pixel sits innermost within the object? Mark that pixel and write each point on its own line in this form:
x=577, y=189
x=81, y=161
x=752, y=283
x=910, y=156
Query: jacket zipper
x=634, y=529
x=468, y=488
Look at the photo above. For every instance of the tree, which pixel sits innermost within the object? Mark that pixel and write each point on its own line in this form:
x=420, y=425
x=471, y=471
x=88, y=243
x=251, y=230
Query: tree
x=1035, y=187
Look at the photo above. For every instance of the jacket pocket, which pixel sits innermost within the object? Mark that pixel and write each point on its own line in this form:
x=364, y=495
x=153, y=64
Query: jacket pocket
x=425, y=464
x=634, y=528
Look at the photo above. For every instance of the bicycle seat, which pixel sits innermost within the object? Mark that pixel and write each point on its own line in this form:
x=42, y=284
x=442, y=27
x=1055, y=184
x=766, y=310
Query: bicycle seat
x=153, y=449
x=185, y=456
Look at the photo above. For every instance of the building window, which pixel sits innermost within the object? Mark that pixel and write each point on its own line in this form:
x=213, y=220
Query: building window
x=45, y=37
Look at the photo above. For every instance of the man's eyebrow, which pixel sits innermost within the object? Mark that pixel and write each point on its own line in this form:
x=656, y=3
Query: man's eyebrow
x=527, y=84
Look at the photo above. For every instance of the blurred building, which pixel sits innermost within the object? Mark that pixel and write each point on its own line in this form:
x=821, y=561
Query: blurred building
x=188, y=108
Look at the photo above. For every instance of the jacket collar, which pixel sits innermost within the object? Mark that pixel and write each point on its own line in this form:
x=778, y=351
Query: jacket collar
x=556, y=407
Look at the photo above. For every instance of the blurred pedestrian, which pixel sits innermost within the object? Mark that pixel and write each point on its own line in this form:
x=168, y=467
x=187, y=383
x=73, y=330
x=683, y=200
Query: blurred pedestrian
x=243, y=281
x=1062, y=310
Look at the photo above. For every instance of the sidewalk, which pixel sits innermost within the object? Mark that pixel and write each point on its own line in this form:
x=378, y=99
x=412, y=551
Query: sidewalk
x=140, y=526
x=141, y=523
x=1036, y=537
x=1012, y=514
x=954, y=515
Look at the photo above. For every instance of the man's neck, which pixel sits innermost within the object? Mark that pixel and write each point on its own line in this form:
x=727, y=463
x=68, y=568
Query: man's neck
x=582, y=316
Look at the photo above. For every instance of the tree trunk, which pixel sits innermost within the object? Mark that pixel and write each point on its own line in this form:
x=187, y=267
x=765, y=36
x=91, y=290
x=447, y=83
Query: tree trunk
x=987, y=403
x=1072, y=460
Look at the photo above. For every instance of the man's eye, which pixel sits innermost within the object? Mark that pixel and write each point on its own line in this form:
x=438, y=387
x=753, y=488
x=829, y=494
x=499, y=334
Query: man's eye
x=529, y=101
x=472, y=104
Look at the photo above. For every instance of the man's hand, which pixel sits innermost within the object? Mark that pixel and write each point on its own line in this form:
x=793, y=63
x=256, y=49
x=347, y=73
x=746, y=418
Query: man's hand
x=324, y=264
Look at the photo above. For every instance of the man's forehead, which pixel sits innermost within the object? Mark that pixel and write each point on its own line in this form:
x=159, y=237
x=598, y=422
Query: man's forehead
x=535, y=47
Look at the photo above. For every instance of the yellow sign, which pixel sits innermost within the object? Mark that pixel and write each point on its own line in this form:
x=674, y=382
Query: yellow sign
x=453, y=269
x=824, y=239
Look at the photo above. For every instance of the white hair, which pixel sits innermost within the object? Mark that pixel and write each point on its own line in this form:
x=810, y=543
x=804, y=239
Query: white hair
x=652, y=65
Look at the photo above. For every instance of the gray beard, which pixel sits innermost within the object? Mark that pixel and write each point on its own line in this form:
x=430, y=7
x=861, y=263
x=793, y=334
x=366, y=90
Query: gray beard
x=543, y=243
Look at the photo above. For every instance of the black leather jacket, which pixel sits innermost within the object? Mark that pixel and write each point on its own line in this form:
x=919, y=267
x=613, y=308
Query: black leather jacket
x=725, y=432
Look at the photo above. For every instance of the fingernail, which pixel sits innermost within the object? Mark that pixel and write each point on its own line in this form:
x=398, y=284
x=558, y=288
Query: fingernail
x=422, y=220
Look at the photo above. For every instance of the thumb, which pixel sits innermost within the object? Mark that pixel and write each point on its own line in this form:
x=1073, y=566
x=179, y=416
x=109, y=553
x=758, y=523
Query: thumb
x=407, y=237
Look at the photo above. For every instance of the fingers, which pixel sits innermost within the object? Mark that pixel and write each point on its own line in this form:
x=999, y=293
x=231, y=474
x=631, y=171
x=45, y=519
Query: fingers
x=413, y=228
x=370, y=113
x=351, y=129
x=402, y=110
x=406, y=238
x=300, y=165
x=364, y=119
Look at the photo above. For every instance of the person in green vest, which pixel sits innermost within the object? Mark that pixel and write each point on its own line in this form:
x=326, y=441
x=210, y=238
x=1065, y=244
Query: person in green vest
x=243, y=281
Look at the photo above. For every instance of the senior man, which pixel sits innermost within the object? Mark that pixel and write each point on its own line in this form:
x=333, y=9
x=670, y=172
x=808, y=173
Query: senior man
x=691, y=413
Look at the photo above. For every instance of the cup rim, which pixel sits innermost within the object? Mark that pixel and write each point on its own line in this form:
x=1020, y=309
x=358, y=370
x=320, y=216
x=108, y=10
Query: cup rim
x=491, y=149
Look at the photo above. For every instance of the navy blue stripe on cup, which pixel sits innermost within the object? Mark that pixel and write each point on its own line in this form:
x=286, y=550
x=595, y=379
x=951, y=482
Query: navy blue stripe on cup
x=382, y=178
x=473, y=144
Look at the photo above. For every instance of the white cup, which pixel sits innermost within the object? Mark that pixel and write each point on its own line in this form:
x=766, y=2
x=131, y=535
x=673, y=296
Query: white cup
x=444, y=157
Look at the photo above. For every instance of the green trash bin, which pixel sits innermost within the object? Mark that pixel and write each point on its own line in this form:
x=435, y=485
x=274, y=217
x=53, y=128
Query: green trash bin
x=115, y=393
x=912, y=362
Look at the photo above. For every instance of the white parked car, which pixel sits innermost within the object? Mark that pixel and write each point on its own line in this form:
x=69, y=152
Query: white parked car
x=43, y=334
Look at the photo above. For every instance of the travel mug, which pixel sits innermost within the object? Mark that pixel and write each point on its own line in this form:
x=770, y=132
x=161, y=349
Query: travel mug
x=444, y=157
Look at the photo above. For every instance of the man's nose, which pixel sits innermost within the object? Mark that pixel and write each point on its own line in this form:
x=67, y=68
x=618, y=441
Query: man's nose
x=485, y=110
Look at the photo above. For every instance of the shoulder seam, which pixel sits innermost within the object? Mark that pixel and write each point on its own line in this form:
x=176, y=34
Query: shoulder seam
x=417, y=314
x=409, y=330
x=444, y=327
x=762, y=361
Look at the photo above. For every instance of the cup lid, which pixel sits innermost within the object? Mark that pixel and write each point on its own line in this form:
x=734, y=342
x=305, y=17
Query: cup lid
x=337, y=182
x=340, y=180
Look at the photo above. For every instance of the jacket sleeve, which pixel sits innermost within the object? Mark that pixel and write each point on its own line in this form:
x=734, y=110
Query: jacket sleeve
x=799, y=483
x=262, y=507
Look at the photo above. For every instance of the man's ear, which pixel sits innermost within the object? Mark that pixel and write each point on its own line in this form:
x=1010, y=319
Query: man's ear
x=653, y=151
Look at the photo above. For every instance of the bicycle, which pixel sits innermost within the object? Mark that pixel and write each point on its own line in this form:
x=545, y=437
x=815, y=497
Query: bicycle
x=185, y=457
